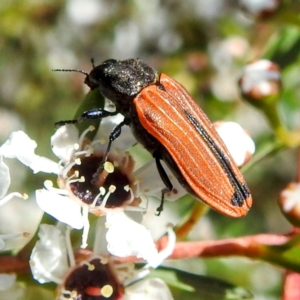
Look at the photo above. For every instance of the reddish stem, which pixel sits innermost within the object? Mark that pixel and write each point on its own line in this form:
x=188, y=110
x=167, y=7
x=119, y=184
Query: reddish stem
x=248, y=246
x=14, y=264
x=244, y=246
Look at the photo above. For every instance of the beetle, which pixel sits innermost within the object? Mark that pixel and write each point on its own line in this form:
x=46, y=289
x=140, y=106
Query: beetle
x=166, y=120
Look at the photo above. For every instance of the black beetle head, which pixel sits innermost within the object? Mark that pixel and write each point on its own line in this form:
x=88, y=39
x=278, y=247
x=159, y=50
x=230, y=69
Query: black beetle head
x=121, y=78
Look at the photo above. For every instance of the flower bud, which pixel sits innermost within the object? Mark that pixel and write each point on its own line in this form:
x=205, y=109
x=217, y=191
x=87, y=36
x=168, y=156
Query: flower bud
x=289, y=203
x=260, y=8
x=260, y=82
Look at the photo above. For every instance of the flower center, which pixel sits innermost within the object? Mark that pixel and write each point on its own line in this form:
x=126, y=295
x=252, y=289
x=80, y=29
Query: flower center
x=88, y=190
x=92, y=280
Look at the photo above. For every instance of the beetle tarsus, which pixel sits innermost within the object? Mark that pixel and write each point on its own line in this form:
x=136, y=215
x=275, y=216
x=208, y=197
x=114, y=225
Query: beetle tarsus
x=112, y=137
x=162, y=200
x=164, y=177
x=65, y=122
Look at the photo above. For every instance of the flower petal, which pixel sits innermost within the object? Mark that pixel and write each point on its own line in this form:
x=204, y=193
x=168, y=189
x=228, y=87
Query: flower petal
x=151, y=184
x=62, y=208
x=124, y=141
x=4, y=178
x=7, y=281
x=63, y=141
x=17, y=217
x=2, y=244
x=126, y=237
x=9, y=288
x=148, y=289
x=20, y=146
x=48, y=260
x=100, y=243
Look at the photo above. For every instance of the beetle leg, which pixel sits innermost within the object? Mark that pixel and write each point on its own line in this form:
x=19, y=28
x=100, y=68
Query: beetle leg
x=164, y=177
x=96, y=113
x=112, y=137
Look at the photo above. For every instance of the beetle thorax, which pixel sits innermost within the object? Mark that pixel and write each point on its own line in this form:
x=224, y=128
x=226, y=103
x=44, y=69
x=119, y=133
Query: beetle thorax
x=121, y=81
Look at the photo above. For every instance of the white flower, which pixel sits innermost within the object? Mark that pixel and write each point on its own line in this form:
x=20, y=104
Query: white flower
x=126, y=237
x=52, y=259
x=86, y=12
x=10, y=227
x=49, y=257
x=64, y=142
x=20, y=146
x=5, y=183
x=4, y=237
x=80, y=192
x=62, y=207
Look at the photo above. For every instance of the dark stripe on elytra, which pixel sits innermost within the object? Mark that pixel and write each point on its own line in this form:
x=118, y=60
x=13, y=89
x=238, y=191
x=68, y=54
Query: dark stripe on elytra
x=241, y=190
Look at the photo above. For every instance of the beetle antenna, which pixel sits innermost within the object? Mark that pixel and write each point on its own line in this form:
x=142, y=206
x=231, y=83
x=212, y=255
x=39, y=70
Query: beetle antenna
x=71, y=70
x=93, y=62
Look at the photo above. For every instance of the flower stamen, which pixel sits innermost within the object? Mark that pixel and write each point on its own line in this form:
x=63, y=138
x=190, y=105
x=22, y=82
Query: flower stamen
x=86, y=152
x=69, y=247
x=90, y=266
x=107, y=290
x=101, y=193
x=12, y=195
x=84, y=133
x=139, y=208
x=126, y=160
x=48, y=184
x=111, y=189
x=67, y=168
x=86, y=226
x=137, y=189
x=127, y=188
x=76, y=179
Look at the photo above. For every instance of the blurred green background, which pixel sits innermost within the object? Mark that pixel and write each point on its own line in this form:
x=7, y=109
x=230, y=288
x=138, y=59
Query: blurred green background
x=202, y=44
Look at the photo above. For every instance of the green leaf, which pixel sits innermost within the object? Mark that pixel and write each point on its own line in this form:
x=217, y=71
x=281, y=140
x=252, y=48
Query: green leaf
x=191, y=286
x=286, y=255
x=37, y=292
x=92, y=100
x=266, y=148
x=284, y=50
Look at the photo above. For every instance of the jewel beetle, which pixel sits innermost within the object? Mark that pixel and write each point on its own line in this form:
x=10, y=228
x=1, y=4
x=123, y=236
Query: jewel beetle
x=166, y=120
